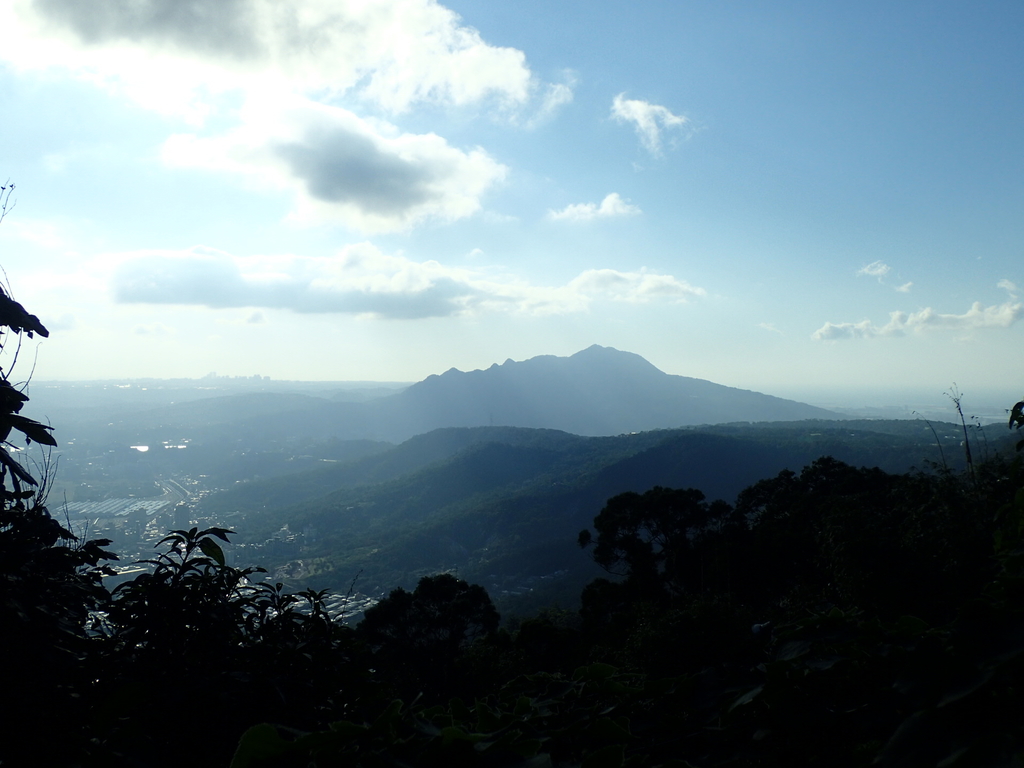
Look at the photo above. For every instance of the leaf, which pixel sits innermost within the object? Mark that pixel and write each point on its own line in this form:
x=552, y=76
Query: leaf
x=11, y=399
x=16, y=469
x=607, y=757
x=524, y=706
x=911, y=625
x=212, y=550
x=793, y=649
x=746, y=698
x=259, y=743
x=33, y=430
x=220, y=533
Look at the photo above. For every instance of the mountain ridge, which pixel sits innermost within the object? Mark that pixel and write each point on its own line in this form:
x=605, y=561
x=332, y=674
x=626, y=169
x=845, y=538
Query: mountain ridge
x=597, y=391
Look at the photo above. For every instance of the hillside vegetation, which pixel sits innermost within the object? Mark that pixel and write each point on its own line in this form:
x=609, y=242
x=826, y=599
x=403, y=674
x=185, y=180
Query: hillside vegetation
x=501, y=506
x=837, y=615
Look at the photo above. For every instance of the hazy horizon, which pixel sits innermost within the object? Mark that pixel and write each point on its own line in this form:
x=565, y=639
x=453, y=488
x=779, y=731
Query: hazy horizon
x=859, y=402
x=817, y=202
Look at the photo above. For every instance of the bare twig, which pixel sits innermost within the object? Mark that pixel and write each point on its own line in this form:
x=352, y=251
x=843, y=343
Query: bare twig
x=956, y=396
x=938, y=442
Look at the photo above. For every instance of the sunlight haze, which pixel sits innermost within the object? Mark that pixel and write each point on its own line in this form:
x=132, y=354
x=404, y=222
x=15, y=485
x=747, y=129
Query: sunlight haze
x=823, y=201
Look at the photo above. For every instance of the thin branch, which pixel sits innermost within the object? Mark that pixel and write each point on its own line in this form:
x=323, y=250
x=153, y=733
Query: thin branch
x=938, y=442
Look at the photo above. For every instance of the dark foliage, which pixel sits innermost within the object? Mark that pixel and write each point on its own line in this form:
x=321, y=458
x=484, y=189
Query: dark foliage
x=50, y=582
x=417, y=638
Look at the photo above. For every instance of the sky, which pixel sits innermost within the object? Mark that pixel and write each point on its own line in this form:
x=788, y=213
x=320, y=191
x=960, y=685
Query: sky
x=808, y=199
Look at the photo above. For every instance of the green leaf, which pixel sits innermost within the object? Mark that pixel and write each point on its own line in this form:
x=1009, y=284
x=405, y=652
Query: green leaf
x=524, y=706
x=454, y=733
x=911, y=625
x=212, y=550
x=793, y=649
x=259, y=743
x=746, y=698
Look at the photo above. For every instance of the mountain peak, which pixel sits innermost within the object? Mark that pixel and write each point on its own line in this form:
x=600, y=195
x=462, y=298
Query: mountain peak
x=597, y=391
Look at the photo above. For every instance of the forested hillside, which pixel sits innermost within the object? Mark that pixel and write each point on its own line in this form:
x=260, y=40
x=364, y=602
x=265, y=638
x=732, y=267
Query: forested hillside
x=501, y=506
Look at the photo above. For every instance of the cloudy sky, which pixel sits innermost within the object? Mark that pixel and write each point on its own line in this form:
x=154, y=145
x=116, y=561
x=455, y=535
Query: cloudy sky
x=794, y=197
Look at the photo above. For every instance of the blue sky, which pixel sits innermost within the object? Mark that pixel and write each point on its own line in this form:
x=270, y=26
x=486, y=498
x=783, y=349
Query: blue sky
x=808, y=199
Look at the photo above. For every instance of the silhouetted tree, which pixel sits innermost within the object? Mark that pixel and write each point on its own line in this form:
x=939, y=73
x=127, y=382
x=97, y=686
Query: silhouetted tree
x=419, y=635
x=653, y=539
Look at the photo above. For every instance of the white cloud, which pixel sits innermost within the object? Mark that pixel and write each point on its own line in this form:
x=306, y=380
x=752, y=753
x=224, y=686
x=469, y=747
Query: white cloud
x=289, y=64
x=1009, y=287
x=556, y=95
x=634, y=287
x=877, y=269
x=612, y=205
x=770, y=327
x=648, y=119
x=342, y=168
x=900, y=323
x=392, y=52
x=905, y=288
x=363, y=280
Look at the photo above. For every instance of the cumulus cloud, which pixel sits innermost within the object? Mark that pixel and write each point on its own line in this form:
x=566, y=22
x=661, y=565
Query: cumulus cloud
x=648, y=119
x=362, y=280
x=1008, y=286
x=290, y=65
x=905, y=288
x=343, y=168
x=610, y=207
x=877, y=269
x=900, y=323
x=392, y=52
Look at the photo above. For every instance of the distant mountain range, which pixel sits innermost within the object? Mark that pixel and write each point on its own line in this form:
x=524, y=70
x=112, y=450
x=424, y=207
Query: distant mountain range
x=598, y=391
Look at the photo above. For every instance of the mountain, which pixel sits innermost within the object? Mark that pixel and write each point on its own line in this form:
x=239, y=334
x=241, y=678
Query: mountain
x=599, y=391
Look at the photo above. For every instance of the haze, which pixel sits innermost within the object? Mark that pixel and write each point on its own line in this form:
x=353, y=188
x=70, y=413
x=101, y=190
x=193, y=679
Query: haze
x=816, y=201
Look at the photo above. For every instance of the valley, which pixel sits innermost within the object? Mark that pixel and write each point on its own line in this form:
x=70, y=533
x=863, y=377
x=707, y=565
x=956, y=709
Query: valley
x=330, y=505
